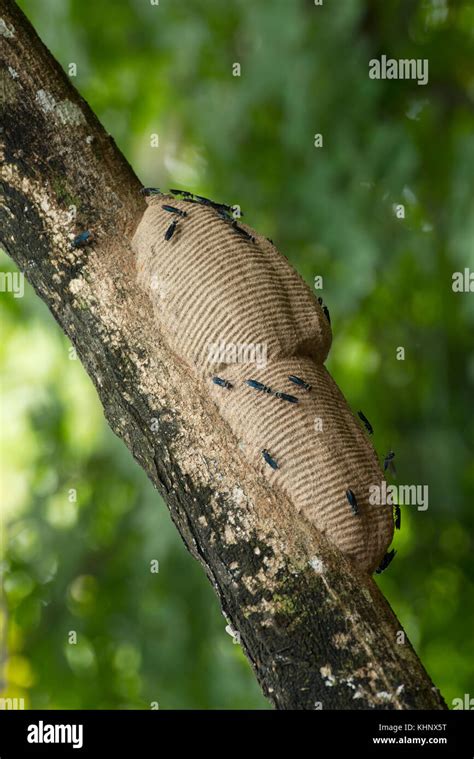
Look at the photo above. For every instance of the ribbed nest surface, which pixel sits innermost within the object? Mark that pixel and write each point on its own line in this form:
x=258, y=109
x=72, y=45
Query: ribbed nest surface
x=212, y=286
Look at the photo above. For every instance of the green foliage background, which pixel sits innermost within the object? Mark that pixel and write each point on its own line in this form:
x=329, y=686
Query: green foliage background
x=167, y=69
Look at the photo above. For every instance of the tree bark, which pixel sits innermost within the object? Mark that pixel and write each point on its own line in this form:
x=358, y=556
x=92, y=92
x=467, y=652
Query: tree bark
x=318, y=633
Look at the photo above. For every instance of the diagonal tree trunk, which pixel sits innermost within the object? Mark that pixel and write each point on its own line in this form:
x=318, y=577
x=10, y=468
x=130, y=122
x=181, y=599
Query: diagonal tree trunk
x=317, y=632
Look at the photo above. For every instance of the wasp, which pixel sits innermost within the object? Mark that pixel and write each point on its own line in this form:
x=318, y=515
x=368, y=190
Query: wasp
x=387, y=559
x=150, y=191
x=398, y=517
x=286, y=397
x=223, y=214
x=352, y=501
x=219, y=206
x=171, y=230
x=184, y=193
x=215, y=204
x=222, y=383
x=366, y=422
x=223, y=207
x=173, y=209
x=388, y=463
x=203, y=200
x=325, y=309
x=269, y=459
x=259, y=386
x=299, y=382
x=242, y=231
x=82, y=239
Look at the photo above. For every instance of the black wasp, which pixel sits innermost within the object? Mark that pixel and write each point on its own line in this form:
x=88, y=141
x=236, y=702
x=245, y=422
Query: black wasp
x=184, y=193
x=325, y=310
x=82, y=239
x=286, y=397
x=352, y=501
x=173, y=209
x=220, y=206
x=223, y=214
x=269, y=459
x=171, y=230
x=388, y=463
x=298, y=381
x=204, y=201
x=243, y=232
x=259, y=386
x=387, y=559
x=366, y=422
x=222, y=383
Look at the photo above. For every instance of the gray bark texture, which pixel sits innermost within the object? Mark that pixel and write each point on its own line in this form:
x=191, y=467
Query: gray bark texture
x=317, y=633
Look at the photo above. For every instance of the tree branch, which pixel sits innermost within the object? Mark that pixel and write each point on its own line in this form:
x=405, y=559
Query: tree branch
x=317, y=632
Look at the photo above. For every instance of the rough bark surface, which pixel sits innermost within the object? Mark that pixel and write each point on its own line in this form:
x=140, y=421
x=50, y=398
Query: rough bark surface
x=317, y=632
